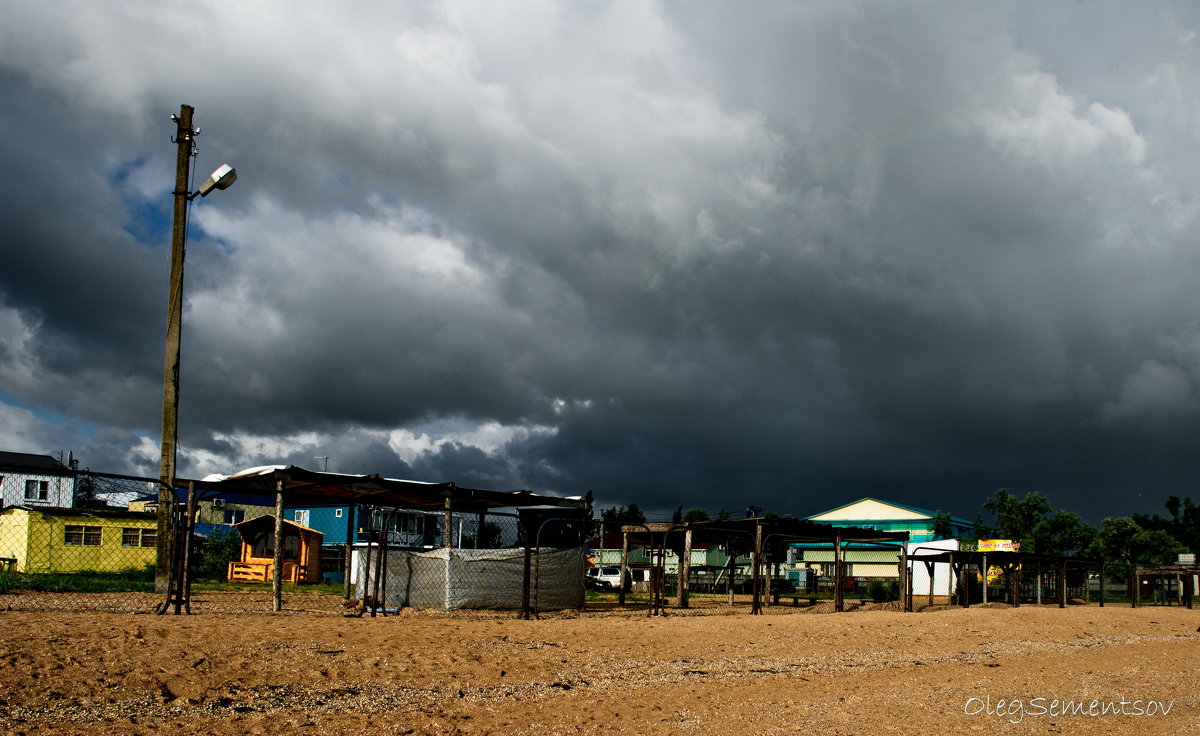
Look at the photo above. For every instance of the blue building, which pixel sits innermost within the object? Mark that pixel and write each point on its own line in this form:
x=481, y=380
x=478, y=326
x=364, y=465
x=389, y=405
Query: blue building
x=408, y=529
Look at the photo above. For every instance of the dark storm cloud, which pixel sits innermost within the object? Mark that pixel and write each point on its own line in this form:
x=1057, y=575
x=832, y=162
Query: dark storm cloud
x=679, y=256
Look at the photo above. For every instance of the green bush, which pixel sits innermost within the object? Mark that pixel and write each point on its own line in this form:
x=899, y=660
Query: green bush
x=882, y=592
x=215, y=556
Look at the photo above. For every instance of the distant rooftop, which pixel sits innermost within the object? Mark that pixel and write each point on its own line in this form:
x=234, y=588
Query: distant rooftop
x=28, y=461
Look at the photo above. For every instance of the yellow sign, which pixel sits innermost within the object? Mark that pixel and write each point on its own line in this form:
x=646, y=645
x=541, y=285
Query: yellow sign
x=999, y=545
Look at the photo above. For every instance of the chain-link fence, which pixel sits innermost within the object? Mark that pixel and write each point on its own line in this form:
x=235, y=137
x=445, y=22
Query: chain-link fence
x=73, y=540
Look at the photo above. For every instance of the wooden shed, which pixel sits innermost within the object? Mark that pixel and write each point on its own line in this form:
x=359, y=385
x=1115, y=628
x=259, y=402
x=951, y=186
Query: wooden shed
x=301, y=552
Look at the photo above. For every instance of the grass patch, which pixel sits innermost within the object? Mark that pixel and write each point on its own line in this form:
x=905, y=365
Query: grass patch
x=132, y=580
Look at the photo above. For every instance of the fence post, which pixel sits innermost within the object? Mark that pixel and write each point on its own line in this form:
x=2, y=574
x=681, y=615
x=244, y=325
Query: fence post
x=685, y=569
x=351, y=515
x=623, y=576
x=277, y=567
x=839, y=602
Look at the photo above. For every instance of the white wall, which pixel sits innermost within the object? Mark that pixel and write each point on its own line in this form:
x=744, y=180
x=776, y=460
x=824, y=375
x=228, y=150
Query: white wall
x=943, y=580
x=61, y=491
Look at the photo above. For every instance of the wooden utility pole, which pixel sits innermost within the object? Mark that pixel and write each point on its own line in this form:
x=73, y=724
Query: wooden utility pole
x=184, y=139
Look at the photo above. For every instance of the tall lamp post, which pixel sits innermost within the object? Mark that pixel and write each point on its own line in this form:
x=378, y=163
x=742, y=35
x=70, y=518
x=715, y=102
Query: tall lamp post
x=222, y=178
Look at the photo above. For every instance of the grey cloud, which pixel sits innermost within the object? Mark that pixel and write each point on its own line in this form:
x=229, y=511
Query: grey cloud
x=679, y=255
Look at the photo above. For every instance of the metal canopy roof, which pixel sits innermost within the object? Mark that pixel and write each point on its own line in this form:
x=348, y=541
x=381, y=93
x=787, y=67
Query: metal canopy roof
x=786, y=529
x=300, y=484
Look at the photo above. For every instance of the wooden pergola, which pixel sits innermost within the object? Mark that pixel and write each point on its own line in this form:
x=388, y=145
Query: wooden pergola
x=756, y=534
x=1015, y=564
x=298, y=484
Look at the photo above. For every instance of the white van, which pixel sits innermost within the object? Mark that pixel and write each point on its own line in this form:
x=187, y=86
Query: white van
x=607, y=577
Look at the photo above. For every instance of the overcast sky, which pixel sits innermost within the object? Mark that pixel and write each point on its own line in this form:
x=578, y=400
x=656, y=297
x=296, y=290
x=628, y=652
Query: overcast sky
x=683, y=254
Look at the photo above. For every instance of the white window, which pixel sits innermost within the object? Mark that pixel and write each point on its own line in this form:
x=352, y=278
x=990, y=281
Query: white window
x=301, y=517
x=337, y=513
x=37, y=490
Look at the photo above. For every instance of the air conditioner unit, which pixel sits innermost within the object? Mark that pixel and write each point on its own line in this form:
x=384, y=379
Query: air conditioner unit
x=218, y=503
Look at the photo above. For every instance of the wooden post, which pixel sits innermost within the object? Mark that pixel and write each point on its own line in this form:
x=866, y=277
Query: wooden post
x=277, y=567
x=448, y=526
x=952, y=584
x=167, y=501
x=685, y=570
x=623, y=580
x=1102, y=584
x=1062, y=583
x=984, y=572
x=905, y=590
x=351, y=513
x=1039, y=582
x=185, y=567
x=965, y=588
x=730, y=566
x=929, y=568
x=839, y=602
x=755, y=571
x=526, y=581
x=1134, y=587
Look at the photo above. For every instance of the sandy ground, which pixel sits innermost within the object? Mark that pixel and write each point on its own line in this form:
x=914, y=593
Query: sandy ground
x=863, y=672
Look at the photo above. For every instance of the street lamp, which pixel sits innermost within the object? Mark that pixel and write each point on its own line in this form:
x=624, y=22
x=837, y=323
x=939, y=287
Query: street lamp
x=222, y=178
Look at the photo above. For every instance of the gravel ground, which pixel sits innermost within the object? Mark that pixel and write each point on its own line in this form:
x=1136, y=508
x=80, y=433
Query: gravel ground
x=984, y=670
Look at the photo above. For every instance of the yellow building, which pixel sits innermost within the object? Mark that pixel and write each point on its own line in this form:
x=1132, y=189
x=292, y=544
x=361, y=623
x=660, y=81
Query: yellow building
x=64, y=540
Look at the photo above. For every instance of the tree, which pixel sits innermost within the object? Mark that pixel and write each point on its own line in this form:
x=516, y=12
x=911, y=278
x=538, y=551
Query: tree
x=490, y=536
x=1184, y=524
x=621, y=515
x=1114, y=540
x=1062, y=533
x=941, y=525
x=223, y=546
x=1016, y=519
x=1155, y=547
x=696, y=515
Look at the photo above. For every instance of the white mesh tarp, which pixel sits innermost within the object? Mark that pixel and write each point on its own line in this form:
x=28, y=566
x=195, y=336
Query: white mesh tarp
x=449, y=579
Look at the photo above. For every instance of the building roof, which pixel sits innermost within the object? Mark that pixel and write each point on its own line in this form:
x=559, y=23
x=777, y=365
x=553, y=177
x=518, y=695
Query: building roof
x=300, y=485
x=875, y=508
x=234, y=497
x=269, y=519
x=96, y=513
x=784, y=530
x=26, y=461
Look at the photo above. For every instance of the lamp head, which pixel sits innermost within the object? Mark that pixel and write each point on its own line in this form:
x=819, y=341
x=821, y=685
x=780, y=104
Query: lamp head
x=222, y=178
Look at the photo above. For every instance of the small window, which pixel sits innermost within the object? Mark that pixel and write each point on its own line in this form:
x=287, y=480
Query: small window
x=337, y=514
x=235, y=516
x=37, y=490
x=85, y=536
x=138, y=537
x=301, y=517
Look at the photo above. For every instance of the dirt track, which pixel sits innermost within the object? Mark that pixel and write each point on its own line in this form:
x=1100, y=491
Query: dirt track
x=867, y=672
